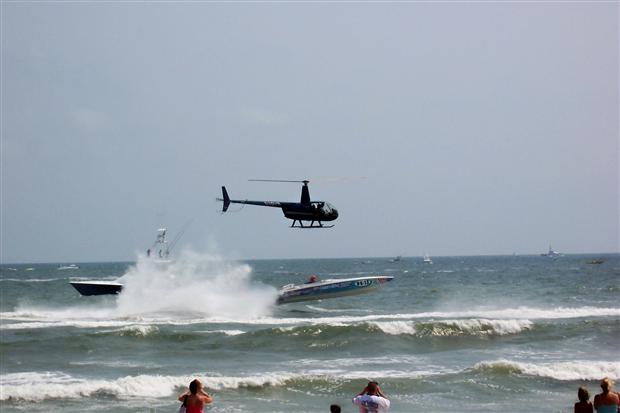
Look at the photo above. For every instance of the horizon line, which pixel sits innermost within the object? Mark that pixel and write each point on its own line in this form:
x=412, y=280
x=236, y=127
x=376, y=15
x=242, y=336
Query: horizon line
x=328, y=258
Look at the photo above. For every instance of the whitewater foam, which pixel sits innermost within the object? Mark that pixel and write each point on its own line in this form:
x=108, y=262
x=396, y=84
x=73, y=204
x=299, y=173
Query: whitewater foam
x=197, y=288
x=564, y=371
x=225, y=332
x=524, y=314
x=194, y=283
x=31, y=280
x=499, y=321
x=474, y=327
x=36, y=387
x=396, y=327
x=31, y=386
x=39, y=386
x=137, y=330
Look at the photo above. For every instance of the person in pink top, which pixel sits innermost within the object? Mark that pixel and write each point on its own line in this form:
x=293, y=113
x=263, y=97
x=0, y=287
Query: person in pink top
x=195, y=399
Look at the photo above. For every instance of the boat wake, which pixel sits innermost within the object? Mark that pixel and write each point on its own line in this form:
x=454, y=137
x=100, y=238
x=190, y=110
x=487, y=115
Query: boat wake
x=253, y=307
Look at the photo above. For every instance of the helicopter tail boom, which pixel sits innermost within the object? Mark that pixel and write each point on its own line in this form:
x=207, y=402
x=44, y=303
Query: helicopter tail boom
x=226, y=201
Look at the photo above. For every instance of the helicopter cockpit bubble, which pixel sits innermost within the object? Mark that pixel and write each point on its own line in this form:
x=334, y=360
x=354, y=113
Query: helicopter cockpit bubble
x=328, y=209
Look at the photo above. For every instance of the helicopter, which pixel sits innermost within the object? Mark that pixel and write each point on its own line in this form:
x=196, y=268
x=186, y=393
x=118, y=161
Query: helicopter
x=305, y=210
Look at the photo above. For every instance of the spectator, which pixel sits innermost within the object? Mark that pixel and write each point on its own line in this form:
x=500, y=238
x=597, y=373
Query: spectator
x=583, y=405
x=372, y=399
x=195, y=399
x=607, y=401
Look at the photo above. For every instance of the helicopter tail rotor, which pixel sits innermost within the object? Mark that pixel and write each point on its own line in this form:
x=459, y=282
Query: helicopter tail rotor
x=225, y=199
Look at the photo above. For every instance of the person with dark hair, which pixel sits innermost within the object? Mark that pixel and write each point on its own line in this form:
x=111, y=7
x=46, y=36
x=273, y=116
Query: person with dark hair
x=195, y=399
x=334, y=408
x=372, y=388
x=372, y=399
x=607, y=401
x=583, y=405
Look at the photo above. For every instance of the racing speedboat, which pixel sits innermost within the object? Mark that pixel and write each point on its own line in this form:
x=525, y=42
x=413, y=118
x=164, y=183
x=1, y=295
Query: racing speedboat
x=319, y=290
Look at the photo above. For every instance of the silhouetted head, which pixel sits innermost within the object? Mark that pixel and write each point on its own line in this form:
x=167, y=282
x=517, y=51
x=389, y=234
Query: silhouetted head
x=334, y=408
x=606, y=384
x=583, y=394
x=194, y=386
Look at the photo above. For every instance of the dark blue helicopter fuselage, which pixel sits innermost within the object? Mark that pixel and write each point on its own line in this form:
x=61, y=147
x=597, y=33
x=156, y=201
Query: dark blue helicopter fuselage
x=314, y=211
x=306, y=210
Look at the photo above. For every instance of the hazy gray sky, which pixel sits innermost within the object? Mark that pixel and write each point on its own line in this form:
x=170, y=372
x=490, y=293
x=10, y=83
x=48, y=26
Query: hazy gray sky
x=482, y=128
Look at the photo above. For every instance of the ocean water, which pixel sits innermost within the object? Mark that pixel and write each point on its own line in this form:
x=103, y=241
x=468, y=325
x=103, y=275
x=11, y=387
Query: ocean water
x=465, y=334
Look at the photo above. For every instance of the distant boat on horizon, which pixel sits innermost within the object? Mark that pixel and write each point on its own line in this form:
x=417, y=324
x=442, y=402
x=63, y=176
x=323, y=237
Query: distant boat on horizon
x=427, y=259
x=68, y=267
x=551, y=253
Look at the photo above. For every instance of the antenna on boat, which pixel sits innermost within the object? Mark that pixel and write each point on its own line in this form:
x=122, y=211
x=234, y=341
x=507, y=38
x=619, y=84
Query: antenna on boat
x=180, y=234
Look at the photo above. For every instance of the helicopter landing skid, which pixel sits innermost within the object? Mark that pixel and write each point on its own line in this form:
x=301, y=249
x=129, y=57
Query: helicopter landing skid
x=302, y=226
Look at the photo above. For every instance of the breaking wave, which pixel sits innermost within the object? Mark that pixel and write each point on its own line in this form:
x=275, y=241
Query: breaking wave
x=259, y=304
x=30, y=386
x=36, y=387
x=565, y=371
x=449, y=328
x=137, y=331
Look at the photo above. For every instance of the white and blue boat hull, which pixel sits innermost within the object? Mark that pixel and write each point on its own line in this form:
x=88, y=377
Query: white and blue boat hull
x=330, y=289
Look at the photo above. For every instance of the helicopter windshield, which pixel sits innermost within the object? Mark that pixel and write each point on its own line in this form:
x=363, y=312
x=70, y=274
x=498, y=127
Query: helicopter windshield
x=324, y=207
x=327, y=208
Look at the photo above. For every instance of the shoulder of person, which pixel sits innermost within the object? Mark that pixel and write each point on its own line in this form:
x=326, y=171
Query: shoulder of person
x=372, y=400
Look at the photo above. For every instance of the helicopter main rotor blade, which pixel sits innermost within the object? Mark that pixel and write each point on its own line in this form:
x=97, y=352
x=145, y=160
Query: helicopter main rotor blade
x=333, y=179
x=277, y=180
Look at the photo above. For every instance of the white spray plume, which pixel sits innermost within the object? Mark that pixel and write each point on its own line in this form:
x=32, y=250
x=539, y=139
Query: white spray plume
x=194, y=283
